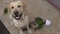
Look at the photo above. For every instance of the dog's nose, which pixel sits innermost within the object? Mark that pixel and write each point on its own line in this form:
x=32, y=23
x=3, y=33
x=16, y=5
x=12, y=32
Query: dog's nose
x=16, y=12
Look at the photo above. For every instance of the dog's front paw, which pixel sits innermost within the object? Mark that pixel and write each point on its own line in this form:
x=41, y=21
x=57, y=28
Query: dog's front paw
x=21, y=32
x=30, y=31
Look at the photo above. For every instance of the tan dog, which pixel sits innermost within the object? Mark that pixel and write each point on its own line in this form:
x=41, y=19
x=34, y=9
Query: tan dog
x=17, y=16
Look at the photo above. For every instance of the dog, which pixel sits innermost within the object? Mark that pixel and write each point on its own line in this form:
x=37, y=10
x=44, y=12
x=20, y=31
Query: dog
x=18, y=17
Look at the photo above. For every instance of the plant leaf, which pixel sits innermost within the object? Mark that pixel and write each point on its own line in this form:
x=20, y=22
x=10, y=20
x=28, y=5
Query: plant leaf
x=40, y=22
x=5, y=11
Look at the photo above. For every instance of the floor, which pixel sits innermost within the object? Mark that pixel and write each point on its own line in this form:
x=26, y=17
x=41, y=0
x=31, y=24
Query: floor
x=36, y=8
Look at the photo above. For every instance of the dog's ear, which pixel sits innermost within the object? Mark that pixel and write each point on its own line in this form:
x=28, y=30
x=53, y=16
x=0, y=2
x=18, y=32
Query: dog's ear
x=24, y=5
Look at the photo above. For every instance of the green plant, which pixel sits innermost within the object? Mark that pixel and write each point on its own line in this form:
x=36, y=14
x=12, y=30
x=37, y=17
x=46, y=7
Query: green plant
x=40, y=22
x=5, y=10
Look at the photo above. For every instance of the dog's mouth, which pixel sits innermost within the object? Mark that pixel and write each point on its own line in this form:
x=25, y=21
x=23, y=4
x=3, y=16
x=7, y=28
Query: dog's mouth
x=17, y=16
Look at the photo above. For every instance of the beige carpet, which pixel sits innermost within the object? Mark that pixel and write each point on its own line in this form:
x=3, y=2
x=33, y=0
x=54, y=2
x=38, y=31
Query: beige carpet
x=36, y=8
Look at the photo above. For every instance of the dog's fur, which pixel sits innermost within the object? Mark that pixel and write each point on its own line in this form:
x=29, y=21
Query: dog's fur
x=21, y=20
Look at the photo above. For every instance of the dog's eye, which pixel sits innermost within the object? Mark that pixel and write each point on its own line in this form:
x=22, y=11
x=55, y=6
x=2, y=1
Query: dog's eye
x=12, y=7
x=19, y=6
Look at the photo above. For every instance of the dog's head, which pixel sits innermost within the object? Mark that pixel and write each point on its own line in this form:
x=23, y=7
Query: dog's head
x=16, y=9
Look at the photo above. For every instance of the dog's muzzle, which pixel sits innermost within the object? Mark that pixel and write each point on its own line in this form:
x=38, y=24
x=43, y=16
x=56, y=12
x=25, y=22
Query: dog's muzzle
x=17, y=15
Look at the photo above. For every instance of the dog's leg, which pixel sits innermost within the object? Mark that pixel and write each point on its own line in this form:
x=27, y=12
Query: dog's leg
x=10, y=19
x=21, y=31
x=29, y=30
x=27, y=21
